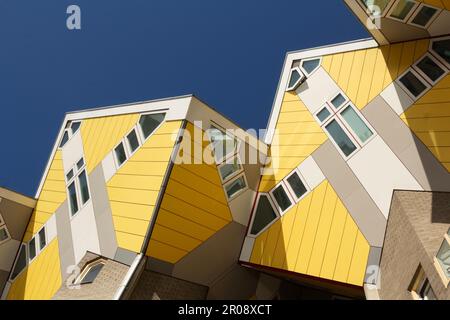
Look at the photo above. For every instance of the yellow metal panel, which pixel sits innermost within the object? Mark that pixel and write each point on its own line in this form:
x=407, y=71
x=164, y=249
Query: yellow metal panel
x=132, y=210
x=287, y=222
x=336, y=65
x=355, y=74
x=258, y=247
x=366, y=78
x=174, y=238
x=164, y=252
x=129, y=241
x=380, y=71
x=130, y=225
x=271, y=242
x=346, y=69
x=346, y=250
x=393, y=63
x=359, y=261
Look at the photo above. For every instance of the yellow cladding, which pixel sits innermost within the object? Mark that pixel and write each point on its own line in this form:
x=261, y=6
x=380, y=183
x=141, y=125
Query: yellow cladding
x=194, y=206
x=53, y=194
x=444, y=4
x=429, y=119
x=316, y=237
x=297, y=136
x=363, y=74
x=134, y=189
x=41, y=279
x=101, y=135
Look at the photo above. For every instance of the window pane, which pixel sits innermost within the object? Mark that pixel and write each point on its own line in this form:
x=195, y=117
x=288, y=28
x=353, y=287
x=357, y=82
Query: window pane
x=442, y=48
x=295, y=76
x=75, y=126
x=64, y=139
x=121, y=156
x=69, y=175
x=133, y=141
x=73, y=198
x=235, y=186
x=223, y=144
x=84, y=187
x=297, y=185
x=402, y=9
x=92, y=274
x=413, y=84
x=338, y=101
x=310, y=65
x=430, y=68
x=21, y=262
x=379, y=3
x=42, y=240
x=281, y=198
x=323, y=114
x=443, y=257
x=357, y=124
x=150, y=122
x=32, y=249
x=80, y=164
x=3, y=234
x=228, y=169
x=264, y=215
x=424, y=16
x=340, y=137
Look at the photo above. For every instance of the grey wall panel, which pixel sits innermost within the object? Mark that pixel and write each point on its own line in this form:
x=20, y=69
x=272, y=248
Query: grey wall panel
x=367, y=215
x=3, y=279
x=102, y=212
x=125, y=256
x=422, y=164
x=16, y=217
x=65, y=242
x=396, y=31
x=160, y=266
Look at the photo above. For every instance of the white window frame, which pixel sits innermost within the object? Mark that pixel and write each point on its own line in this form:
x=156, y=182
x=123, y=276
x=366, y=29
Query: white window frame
x=331, y=106
x=75, y=180
x=422, y=79
x=309, y=59
x=36, y=248
x=291, y=198
x=274, y=207
x=39, y=237
x=87, y=268
x=3, y=226
x=23, y=244
x=294, y=196
x=353, y=134
x=429, y=55
x=242, y=174
x=140, y=133
x=382, y=14
x=234, y=174
x=435, y=54
x=127, y=144
x=437, y=265
x=125, y=148
x=68, y=129
x=410, y=13
x=298, y=82
x=2, y=221
x=417, y=11
x=327, y=106
x=224, y=131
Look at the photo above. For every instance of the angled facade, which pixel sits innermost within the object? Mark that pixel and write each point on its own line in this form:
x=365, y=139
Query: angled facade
x=346, y=195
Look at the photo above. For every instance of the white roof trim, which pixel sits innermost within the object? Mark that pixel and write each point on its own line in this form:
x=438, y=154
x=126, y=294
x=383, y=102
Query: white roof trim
x=303, y=54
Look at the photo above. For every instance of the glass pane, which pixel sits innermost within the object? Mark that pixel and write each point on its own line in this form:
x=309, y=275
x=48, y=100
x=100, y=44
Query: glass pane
x=310, y=65
x=264, y=215
x=42, y=240
x=338, y=101
x=295, y=76
x=121, y=156
x=150, y=122
x=83, y=187
x=64, y=139
x=340, y=137
x=370, y=4
x=297, y=185
x=75, y=126
x=92, y=274
x=69, y=175
x=402, y=9
x=21, y=262
x=80, y=164
x=430, y=68
x=281, y=198
x=223, y=144
x=228, y=169
x=323, y=114
x=235, y=186
x=357, y=124
x=32, y=249
x=442, y=48
x=413, y=84
x=423, y=17
x=133, y=141
x=73, y=198
x=443, y=257
x=3, y=234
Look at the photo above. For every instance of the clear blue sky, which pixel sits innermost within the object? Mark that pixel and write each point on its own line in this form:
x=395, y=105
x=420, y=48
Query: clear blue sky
x=227, y=52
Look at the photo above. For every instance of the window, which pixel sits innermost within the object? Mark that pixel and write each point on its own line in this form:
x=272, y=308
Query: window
x=402, y=9
x=223, y=144
x=281, y=197
x=263, y=215
x=235, y=186
x=149, y=122
x=127, y=147
x=442, y=49
x=370, y=4
x=133, y=141
x=77, y=187
x=323, y=114
x=430, y=69
x=356, y=124
x=91, y=272
x=340, y=138
x=296, y=185
x=443, y=258
x=32, y=249
x=413, y=84
x=423, y=16
x=295, y=79
x=21, y=262
x=121, y=155
x=230, y=169
x=310, y=65
x=4, y=233
x=420, y=286
x=42, y=239
x=338, y=101
x=71, y=128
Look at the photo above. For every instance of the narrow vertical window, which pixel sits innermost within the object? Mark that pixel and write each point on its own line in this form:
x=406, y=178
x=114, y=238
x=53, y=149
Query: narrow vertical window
x=263, y=216
x=32, y=249
x=84, y=189
x=357, y=124
x=120, y=153
x=42, y=239
x=340, y=138
x=281, y=198
x=296, y=185
x=133, y=141
x=73, y=198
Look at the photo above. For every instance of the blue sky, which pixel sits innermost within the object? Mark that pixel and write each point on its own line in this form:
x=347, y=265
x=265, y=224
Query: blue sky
x=228, y=53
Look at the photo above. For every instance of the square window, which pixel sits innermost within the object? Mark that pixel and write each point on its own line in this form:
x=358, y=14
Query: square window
x=150, y=122
x=402, y=9
x=338, y=101
x=133, y=141
x=430, y=68
x=424, y=16
x=230, y=168
x=264, y=214
x=281, y=198
x=120, y=153
x=442, y=49
x=42, y=239
x=323, y=114
x=234, y=187
x=413, y=84
x=340, y=138
x=356, y=124
x=296, y=185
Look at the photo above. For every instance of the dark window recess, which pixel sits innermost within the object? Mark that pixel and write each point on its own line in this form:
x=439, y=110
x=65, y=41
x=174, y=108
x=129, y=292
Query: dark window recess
x=413, y=84
x=264, y=215
x=430, y=68
x=93, y=272
x=297, y=185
